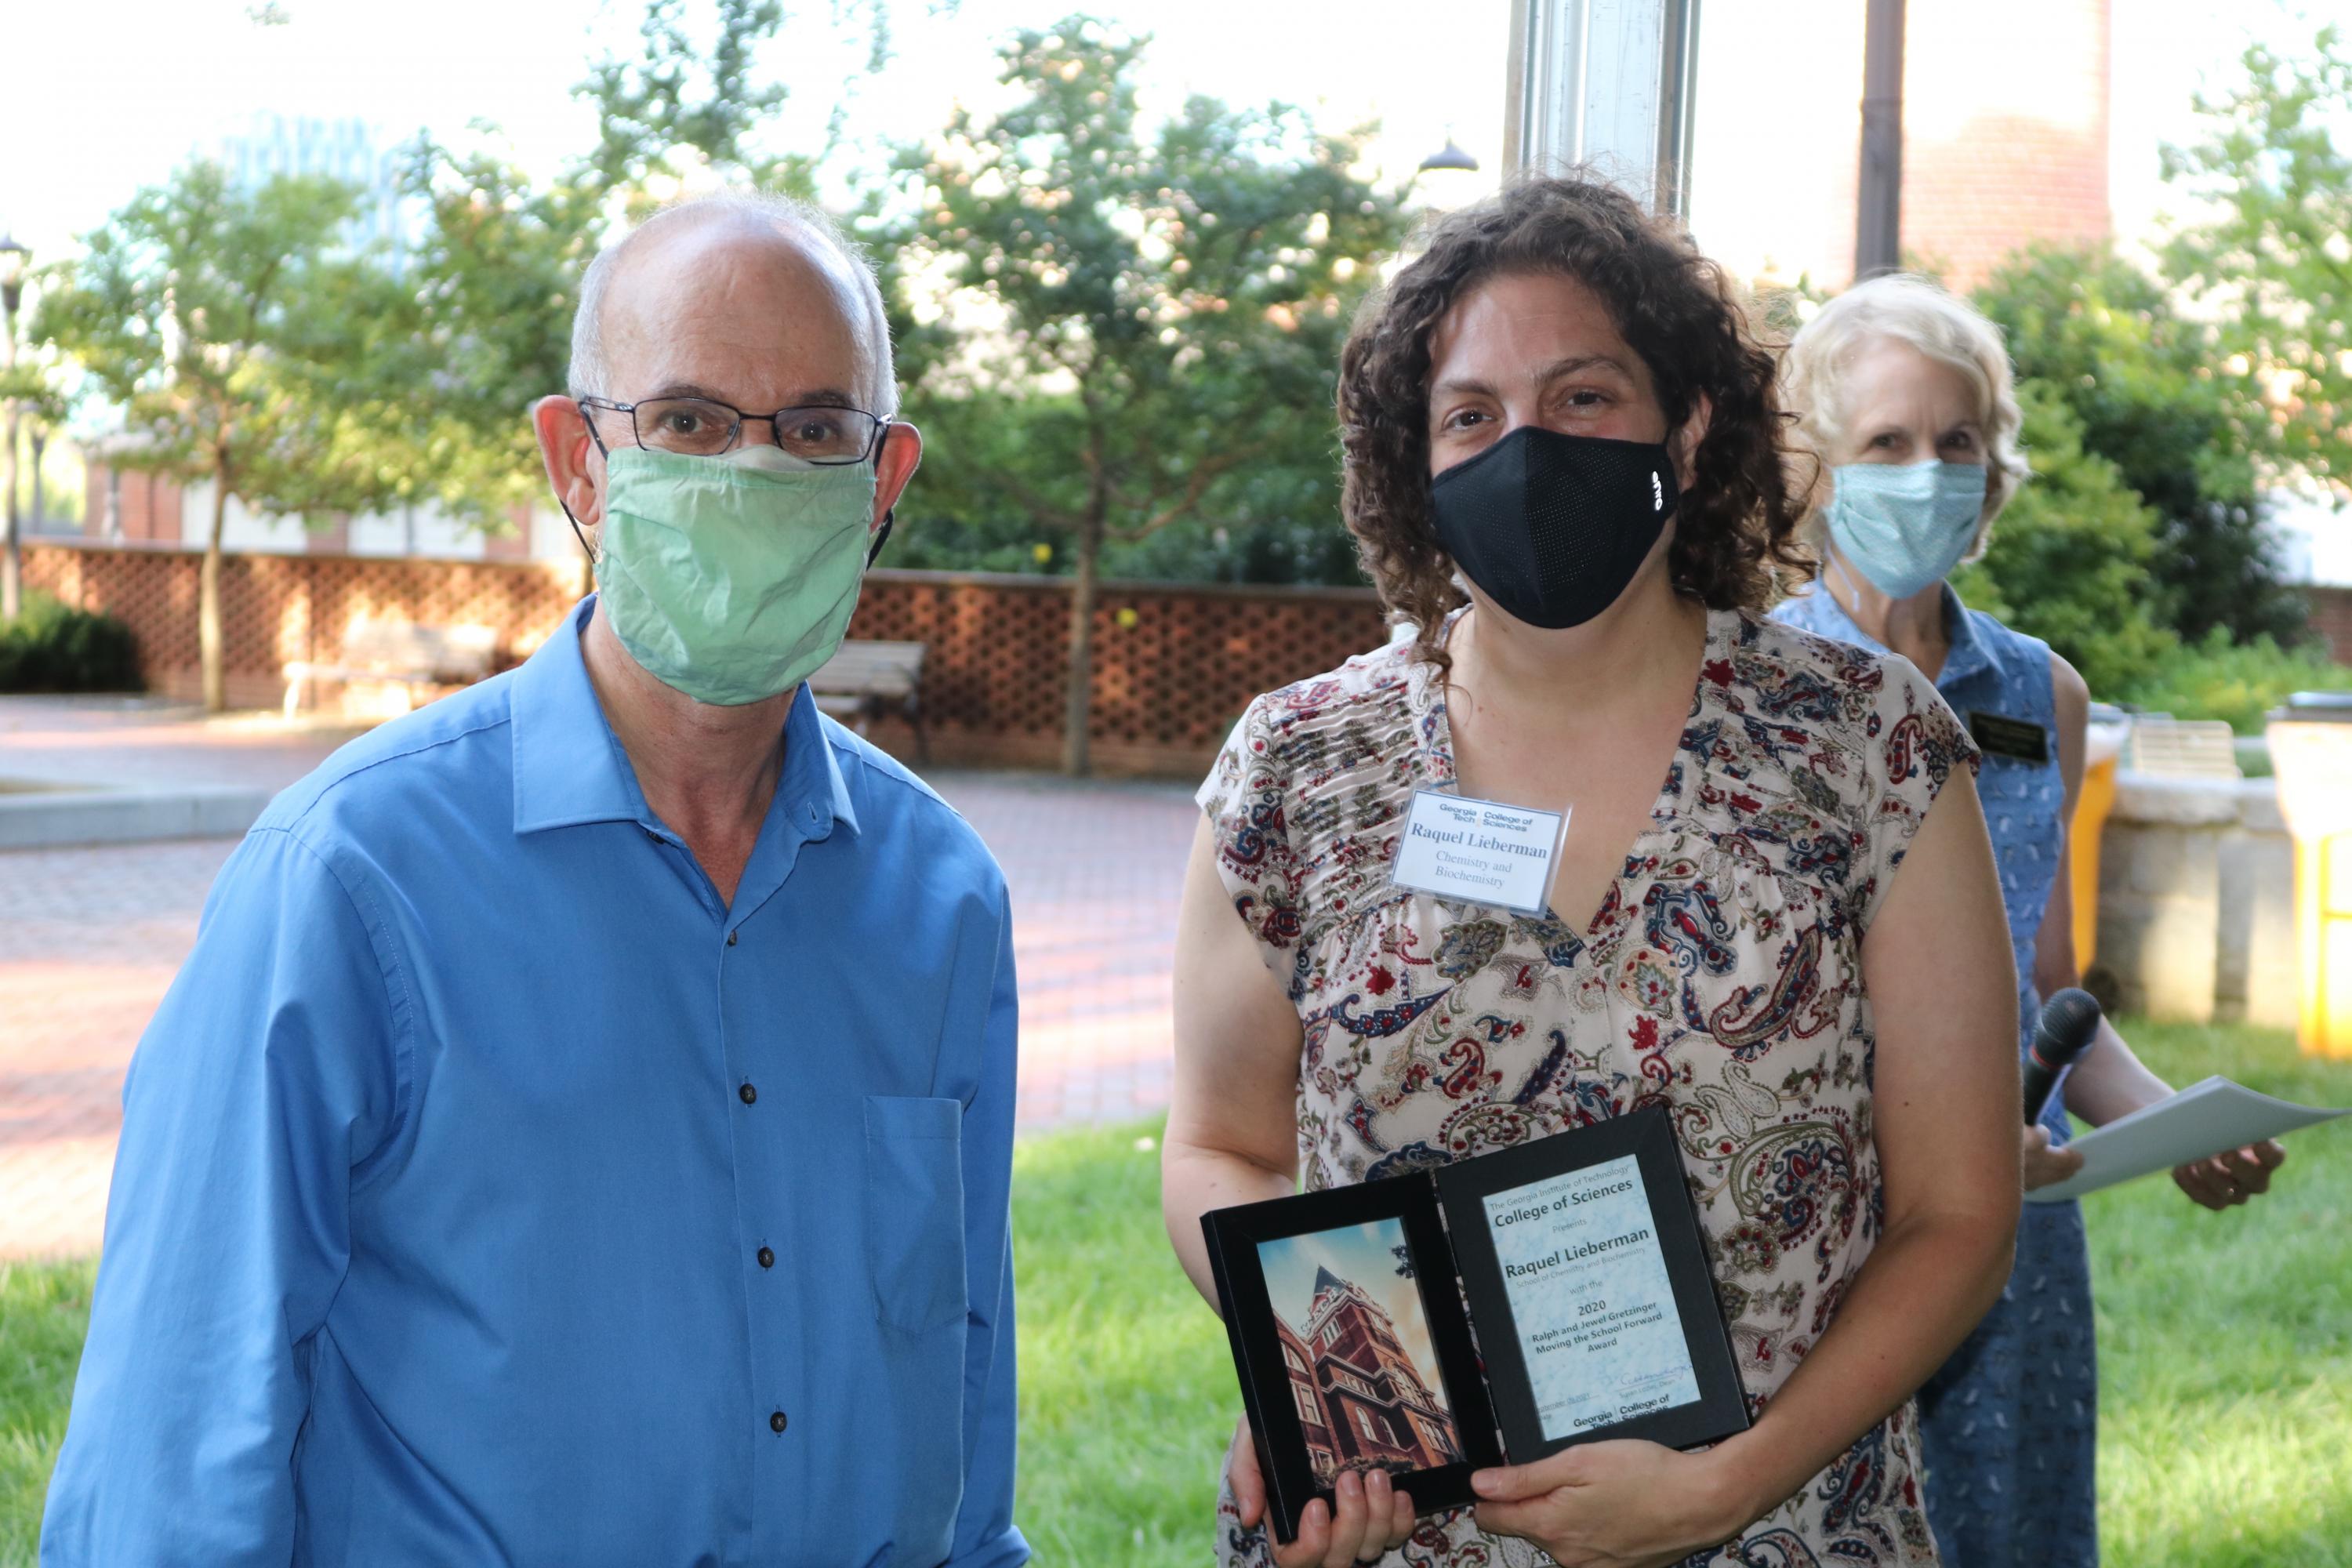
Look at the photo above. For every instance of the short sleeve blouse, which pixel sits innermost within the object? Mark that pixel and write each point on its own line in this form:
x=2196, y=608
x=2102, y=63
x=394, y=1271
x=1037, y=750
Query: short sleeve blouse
x=1721, y=976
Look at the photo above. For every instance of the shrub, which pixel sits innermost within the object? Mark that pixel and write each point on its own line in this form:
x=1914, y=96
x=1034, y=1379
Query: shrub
x=2140, y=378
x=2070, y=559
x=51, y=646
x=2239, y=682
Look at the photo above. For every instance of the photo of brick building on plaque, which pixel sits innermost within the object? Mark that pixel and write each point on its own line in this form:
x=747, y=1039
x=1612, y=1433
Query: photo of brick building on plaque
x=1362, y=1376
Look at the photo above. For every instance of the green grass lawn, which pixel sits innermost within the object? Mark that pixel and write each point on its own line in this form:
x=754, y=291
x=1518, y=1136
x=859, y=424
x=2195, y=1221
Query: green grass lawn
x=2225, y=1352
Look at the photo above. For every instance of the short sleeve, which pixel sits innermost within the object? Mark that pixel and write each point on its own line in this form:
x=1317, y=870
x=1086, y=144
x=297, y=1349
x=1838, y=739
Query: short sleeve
x=1913, y=741
x=1247, y=798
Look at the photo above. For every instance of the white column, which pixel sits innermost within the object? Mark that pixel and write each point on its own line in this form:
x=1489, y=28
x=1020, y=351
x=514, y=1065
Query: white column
x=1608, y=85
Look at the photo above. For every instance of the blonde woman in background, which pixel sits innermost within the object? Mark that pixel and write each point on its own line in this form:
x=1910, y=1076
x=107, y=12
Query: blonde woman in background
x=1904, y=394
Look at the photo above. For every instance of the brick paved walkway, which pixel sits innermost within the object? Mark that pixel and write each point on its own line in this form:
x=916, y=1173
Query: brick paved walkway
x=90, y=939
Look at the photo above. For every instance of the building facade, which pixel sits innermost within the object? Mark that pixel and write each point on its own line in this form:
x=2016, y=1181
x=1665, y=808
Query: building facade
x=1361, y=1401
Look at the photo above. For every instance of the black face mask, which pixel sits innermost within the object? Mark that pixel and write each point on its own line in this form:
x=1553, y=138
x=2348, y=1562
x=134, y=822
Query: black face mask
x=1553, y=527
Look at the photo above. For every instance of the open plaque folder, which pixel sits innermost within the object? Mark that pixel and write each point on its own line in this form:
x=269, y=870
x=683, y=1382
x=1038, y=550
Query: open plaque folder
x=1574, y=1261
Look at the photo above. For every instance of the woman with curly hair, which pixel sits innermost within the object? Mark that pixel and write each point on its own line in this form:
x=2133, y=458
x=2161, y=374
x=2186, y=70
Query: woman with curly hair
x=1565, y=469
x=1904, y=396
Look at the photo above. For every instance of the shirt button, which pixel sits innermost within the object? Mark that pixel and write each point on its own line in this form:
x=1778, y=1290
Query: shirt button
x=767, y=1257
x=732, y=936
x=747, y=1094
x=776, y=1422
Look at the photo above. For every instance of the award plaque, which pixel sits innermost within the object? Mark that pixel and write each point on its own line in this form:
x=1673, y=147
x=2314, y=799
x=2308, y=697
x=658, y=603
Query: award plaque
x=1496, y=1310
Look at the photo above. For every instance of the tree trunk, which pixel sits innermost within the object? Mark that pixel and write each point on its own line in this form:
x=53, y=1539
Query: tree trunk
x=208, y=615
x=1077, y=707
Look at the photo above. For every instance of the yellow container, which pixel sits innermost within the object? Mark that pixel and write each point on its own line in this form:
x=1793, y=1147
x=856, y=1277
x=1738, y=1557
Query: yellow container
x=2102, y=745
x=2311, y=753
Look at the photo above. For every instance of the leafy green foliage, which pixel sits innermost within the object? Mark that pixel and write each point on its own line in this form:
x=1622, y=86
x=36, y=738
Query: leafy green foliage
x=2239, y=682
x=2270, y=262
x=52, y=648
x=219, y=318
x=2154, y=396
x=1165, y=303
x=448, y=371
x=2069, y=558
x=209, y=313
x=647, y=106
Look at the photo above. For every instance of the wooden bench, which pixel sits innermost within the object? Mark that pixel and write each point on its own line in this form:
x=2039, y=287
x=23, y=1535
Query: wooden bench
x=866, y=679
x=401, y=655
x=2180, y=748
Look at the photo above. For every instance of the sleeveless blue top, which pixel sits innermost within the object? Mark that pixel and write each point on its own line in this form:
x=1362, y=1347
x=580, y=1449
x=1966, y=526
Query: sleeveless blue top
x=1992, y=672
x=2008, y=1425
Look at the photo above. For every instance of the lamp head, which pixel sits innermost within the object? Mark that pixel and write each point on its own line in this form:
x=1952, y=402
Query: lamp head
x=13, y=255
x=1450, y=156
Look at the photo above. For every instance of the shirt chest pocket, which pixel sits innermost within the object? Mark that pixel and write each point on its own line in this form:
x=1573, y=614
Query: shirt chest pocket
x=914, y=1210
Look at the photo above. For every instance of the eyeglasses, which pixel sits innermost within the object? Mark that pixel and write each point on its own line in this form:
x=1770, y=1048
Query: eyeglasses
x=701, y=427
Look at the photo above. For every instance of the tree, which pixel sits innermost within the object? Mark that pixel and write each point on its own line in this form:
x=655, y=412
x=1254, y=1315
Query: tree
x=2069, y=557
x=2152, y=394
x=2268, y=261
x=486, y=328
x=1171, y=302
x=209, y=313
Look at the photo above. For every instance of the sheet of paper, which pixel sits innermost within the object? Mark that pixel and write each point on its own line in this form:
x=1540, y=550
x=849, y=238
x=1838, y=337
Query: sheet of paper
x=2202, y=1120
x=1590, y=1292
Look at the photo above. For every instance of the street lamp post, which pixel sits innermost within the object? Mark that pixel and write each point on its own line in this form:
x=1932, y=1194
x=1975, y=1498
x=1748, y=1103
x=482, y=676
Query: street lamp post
x=14, y=254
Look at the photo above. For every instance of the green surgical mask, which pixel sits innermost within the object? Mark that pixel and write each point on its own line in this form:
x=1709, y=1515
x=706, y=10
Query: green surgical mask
x=731, y=579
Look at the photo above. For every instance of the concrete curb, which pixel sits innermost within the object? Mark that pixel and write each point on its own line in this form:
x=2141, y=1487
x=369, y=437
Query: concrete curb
x=59, y=818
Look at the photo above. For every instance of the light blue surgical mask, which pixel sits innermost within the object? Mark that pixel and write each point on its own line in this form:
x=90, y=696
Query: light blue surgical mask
x=1905, y=526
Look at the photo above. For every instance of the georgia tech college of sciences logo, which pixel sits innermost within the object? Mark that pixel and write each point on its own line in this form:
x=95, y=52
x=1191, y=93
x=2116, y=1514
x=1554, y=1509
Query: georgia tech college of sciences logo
x=1657, y=492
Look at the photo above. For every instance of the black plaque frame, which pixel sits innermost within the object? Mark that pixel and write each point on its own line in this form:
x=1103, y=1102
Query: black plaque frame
x=1646, y=1134
x=1233, y=1237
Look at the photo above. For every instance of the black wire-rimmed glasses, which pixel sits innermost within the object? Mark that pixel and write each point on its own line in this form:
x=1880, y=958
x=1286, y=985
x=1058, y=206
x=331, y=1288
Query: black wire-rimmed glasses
x=818, y=433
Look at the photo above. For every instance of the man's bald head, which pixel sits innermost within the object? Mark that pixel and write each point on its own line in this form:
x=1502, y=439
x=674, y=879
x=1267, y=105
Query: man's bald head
x=740, y=277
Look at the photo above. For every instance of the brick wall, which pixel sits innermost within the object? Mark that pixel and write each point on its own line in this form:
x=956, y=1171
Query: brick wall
x=146, y=506
x=2005, y=134
x=2331, y=617
x=1174, y=665
x=2005, y=130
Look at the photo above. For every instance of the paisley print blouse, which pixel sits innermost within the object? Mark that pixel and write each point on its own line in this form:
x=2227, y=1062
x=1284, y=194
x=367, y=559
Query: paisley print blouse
x=1721, y=975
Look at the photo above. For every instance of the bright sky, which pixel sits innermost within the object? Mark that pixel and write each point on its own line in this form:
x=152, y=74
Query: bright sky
x=91, y=111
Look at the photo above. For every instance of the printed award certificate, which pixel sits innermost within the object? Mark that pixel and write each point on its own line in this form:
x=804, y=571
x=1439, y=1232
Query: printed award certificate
x=1592, y=1299
x=1576, y=1262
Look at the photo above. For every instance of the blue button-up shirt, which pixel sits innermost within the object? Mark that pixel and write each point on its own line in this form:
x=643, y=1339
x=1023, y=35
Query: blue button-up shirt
x=491, y=1192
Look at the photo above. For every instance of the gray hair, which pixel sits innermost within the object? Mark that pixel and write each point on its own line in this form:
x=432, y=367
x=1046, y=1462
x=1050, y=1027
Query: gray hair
x=1920, y=312
x=591, y=376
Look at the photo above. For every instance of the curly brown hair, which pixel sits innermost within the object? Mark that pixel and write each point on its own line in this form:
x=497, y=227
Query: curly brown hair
x=1735, y=538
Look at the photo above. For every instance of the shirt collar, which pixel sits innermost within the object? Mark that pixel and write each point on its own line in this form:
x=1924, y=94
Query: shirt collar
x=1966, y=653
x=570, y=768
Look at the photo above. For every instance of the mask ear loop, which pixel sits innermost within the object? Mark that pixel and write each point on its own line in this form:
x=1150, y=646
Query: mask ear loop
x=882, y=535
x=574, y=521
x=602, y=450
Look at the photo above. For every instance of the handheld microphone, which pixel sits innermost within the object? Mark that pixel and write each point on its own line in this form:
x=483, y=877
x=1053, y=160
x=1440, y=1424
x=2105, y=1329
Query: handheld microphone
x=2069, y=1023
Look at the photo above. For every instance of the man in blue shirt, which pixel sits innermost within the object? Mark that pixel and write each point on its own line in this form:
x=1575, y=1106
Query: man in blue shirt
x=581, y=1133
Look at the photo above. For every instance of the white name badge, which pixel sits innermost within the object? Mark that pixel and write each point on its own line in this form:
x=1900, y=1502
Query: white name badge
x=1478, y=851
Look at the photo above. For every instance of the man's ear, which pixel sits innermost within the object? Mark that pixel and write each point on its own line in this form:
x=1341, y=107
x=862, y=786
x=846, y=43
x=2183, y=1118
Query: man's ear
x=894, y=465
x=575, y=470
x=1687, y=440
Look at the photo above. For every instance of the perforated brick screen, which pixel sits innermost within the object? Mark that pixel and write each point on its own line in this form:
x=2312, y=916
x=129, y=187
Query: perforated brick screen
x=1173, y=665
